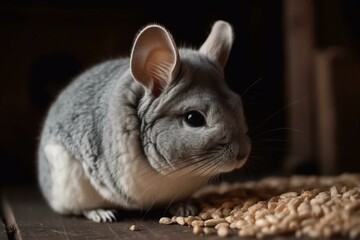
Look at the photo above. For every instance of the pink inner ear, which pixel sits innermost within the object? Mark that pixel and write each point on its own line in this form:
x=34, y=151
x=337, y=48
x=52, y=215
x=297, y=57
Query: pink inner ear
x=159, y=66
x=154, y=59
x=156, y=88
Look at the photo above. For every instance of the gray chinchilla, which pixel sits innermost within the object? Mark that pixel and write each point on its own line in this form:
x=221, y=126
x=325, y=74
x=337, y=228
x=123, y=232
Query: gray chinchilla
x=143, y=131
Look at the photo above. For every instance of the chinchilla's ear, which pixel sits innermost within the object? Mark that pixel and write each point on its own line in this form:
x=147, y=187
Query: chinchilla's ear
x=219, y=42
x=154, y=59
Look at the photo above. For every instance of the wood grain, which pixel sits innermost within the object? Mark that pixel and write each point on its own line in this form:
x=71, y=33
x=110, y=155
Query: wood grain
x=299, y=50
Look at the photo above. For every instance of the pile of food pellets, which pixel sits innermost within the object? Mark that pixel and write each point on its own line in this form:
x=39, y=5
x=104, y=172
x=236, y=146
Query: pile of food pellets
x=302, y=206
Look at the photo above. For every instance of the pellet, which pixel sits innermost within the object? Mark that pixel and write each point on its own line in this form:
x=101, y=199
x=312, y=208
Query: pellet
x=302, y=206
x=352, y=206
x=213, y=222
x=209, y=230
x=349, y=193
x=197, y=223
x=165, y=220
x=334, y=192
x=289, y=195
x=238, y=224
x=223, y=224
x=180, y=220
x=134, y=228
x=217, y=214
x=205, y=215
x=230, y=219
x=261, y=222
x=197, y=229
x=272, y=219
x=190, y=219
x=354, y=233
x=247, y=232
x=222, y=231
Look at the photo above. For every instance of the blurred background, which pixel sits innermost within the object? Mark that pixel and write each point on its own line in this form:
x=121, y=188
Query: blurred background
x=296, y=64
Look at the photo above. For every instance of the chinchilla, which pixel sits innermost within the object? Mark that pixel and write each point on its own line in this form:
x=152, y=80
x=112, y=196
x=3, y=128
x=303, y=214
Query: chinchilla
x=143, y=131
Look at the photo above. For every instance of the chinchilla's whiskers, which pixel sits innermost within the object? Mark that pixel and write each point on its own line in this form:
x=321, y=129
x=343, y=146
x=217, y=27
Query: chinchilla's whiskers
x=208, y=170
x=171, y=202
x=202, y=169
x=255, y=156
x=274, y=114
x=202, y=160
x=149, y=170
x=205, y=163
x=155, y=199
x=202, y=156
x=216, y=165
x=174, y=198
x=148, y=209
x=271, y=140
x=250, y=168
x=253, y=98
x=248, y=88
x=253, y=103
x=209, y=161
x=215, y=178
x=202, y=163
x=205, y=169
x=276, y=130
x=257, y=162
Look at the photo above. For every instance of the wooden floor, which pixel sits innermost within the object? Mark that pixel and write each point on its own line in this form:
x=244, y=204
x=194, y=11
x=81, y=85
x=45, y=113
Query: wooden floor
x=25, y=216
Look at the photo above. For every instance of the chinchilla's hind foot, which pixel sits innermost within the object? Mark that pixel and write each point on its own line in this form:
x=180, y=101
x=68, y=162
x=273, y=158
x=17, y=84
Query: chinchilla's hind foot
x=101, y=215
x=184, y=209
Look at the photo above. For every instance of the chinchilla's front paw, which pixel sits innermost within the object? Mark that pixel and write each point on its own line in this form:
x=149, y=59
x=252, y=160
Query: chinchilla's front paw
x=101, y=215
x=184, y=209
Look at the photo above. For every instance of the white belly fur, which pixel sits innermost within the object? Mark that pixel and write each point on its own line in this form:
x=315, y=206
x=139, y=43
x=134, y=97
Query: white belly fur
x=71, y=190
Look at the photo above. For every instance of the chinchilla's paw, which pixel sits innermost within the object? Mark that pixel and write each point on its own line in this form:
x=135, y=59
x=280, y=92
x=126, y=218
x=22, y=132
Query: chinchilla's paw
x=183, y=209
x=101, y=215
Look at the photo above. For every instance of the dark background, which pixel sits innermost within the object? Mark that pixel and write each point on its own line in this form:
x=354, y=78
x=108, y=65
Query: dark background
x=45, y=44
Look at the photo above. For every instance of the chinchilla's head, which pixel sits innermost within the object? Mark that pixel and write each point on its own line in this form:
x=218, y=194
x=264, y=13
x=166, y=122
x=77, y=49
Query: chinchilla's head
x=191, y=122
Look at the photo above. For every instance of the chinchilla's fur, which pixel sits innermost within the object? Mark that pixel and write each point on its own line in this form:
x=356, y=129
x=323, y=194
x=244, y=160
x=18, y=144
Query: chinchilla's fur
x=143, y=131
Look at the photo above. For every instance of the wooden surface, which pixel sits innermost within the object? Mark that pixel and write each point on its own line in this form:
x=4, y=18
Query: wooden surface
x=299, y=51
x=35, y=220
x=24, y=208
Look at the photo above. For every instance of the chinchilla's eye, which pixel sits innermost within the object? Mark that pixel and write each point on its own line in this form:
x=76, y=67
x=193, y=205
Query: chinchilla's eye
x=194, y=119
